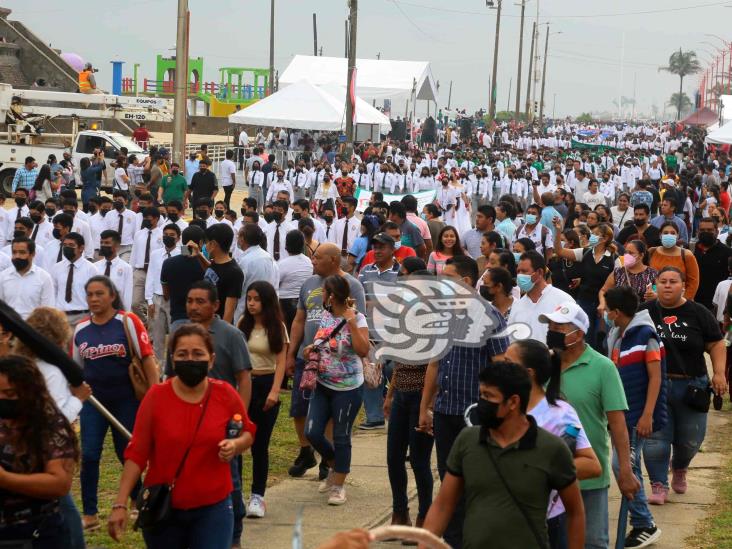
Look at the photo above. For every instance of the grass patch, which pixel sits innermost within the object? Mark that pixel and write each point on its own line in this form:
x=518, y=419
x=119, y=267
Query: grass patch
x=282, y=451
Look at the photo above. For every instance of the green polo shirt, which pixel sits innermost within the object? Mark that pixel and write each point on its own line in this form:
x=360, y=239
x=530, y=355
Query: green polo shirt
x=536, y=464
x=592, y=386
x=174, y=187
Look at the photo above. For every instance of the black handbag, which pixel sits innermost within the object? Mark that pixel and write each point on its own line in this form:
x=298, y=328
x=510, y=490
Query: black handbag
x=155, y=503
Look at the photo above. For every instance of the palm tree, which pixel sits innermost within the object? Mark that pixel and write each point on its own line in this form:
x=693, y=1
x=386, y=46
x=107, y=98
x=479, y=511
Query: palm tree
x=683, y=64
x=680, y=101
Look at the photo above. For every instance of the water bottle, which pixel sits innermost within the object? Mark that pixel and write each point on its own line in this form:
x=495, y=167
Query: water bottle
x=570, y=437
x=234, y=427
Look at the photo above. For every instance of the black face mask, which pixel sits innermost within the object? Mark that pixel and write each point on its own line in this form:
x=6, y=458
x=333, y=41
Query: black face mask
x=36, y=218
x=20, y=264
x=268, y=217
x=146, y=224
x=485, y=293
x=69, y=253
x=72, y=213
x=556, y=340
x=219, y=213
x=50, y=212
x=119, y=206
x=174, y=172
x=296, y=216
x=103, y=212
x=56, y=233
x=191, y=372
x=172, y=217
x=276, y=217
x=202, y=214
x=243, y=211
x=9, y=408
x=328, y=219
x=488, y=414
x=138, y=194
x=20, y=202
x=168, y=241
x=105, y=251
x=18, y=234
x=706, y=239
x=639, y=222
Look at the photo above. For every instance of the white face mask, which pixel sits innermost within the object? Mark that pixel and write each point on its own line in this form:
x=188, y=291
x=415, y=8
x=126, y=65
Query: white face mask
x=397, y=245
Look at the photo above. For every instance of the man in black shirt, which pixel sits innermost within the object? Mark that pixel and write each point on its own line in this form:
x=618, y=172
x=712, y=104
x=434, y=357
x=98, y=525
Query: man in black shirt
x=712, y=256
x=641, y=226
x=203, y=184
x=223, y=271
x=179, y=272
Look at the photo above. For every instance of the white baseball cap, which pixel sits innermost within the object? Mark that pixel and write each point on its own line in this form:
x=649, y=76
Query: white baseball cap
x=568, y=313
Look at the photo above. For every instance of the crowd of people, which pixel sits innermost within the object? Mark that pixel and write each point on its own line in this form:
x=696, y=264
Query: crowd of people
x=191, y=315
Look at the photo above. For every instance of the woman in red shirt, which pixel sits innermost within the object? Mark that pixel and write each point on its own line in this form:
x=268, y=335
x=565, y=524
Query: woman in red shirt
x=165, y=427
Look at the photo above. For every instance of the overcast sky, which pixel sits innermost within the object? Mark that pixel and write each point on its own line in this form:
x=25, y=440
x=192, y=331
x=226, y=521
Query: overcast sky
x=584, y=65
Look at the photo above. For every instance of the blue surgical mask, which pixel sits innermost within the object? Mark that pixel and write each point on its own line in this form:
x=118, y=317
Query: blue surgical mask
x=524, y=282
x=593, y=240
x=668, y=240
x=530, y=219
x=397, y=245
x=516, y=257
x=204, y=251
x=423, y=216
x=609, y=322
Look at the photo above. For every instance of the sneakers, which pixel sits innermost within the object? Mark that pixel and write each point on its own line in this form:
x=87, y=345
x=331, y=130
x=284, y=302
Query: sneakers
x=371, y=425
x=256, y=507
x=323, y=470
x=659, y=494
x=337, y=495
x=305, y=460
x=326, y=483
x=678, y=481
x=642, y=537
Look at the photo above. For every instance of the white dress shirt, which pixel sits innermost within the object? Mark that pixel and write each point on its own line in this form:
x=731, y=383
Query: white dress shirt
x=121, y=274
x=44, y=234
x=137, y=257
x=283, y=229
x=82, y=227
x=11, y=218
x=294, y=271
x=58, y=388
x=97, y=224
x=329, y=233
x=526, y=311
x=354, y=231
x=128, y=225
x=256, y=264
x=277, y=186
x=152, y=282
x=83, y=271
x=28, y=291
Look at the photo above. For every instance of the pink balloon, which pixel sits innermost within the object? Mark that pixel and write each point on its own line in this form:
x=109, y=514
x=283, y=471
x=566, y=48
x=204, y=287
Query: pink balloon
x=74, y=60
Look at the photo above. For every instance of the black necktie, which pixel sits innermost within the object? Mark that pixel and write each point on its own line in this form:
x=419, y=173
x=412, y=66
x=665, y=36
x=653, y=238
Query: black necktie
x=69, y=283
x=147, y=250
x=276, y=250
x=344, y=242
x=60, y=249
x=18, y=215
x=108, y=268
x=35, y=232
x=327, y=231
x=119, y=225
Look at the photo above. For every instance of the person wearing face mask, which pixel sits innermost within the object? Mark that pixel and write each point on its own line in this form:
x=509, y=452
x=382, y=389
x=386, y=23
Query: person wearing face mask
x=538, y=296
x=671, y=254
x=23, y=228
x=495, y=456
x=203, y=184
x=25, y=286
x=81, y=226
x=38, y=457
x=181, y=430
x=148, y=239
x=70, y=276
x=123, y=221
x=633, y=272
x=219, y=212
x=497, y=287
x=591, y=384
x=711, y=256
x=16, y=212
x=278, y=184
x=112, y=266
x=172, y=186
x=42, y=226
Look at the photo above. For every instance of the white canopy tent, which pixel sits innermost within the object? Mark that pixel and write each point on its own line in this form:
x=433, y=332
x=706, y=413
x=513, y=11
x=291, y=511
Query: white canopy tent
x=375, y=79
x=720, y=136
x=306, y=106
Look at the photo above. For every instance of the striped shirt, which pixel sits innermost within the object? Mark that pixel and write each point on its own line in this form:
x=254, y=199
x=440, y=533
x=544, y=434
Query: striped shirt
x=24, y=178
x=457, y=372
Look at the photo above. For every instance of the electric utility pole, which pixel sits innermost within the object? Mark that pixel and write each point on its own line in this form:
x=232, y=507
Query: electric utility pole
x=180, y=108
x=351, y=85
x=494, y=89
x=520, y=56
x=271, y=47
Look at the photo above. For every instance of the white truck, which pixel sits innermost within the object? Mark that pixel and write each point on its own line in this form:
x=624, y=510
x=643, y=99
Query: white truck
x=24, y=137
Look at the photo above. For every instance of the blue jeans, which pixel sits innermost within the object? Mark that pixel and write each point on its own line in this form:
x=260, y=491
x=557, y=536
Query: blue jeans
x=684, y=432
x=373, y=403
x=68, y=510
x=557, y=531
x=342, y=407
x=93, y=432
x=238, y=511
x=265, y=422
x=207, y=527
x=590, y=308
x=49, y=532
x=596, y=518
x=403, y=419
x=640, y=515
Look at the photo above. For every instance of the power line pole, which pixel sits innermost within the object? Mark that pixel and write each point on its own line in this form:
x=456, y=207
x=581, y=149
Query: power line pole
x=449, y=96
x=180, y=107
x=508, y=101
x=271, y=46
x=315, y=35
x=378, y=56
x=346, y=35
x=492, y=107
x=543, y=78
x=351, y=87
x=520, y=56
x=536, y=59
x=531, y=65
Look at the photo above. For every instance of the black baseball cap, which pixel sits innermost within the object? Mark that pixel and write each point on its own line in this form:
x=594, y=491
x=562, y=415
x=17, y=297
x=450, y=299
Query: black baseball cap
x=383, y=238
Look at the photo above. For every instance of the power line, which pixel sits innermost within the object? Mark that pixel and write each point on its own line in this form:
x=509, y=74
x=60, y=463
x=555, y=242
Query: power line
x=411, y=22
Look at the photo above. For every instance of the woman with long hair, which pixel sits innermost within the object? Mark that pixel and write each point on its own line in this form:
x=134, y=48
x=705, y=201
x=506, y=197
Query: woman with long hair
x=566, y=274
x=47, y=185
x=101, y=345
x=671, y=254
x=557, y=416
x=362, y=244
x=497, y=287
x=264, y=329
x=337, y=396
x=633, y=271
x=447, y=246
x=38, y=455
x=188, y=430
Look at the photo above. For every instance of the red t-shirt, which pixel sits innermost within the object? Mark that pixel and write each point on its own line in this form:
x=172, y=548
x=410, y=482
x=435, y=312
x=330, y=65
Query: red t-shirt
x=399, y=255
x=164, y=429
x=724, y=200
x=141, y=135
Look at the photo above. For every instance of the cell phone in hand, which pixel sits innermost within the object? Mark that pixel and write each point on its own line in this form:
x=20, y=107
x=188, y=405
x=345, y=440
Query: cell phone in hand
x=185, y=250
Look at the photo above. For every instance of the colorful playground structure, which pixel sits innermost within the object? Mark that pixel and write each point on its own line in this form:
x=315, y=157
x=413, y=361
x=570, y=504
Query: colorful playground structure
x=238, y=87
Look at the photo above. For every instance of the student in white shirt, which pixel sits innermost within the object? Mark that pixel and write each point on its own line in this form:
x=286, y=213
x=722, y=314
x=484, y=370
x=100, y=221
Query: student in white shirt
x=256, y=181
x=25, y=286
x=23, y=229
x=277, y=185
x=227, y=176
x=593, y=196
x=111, y=266
x=122, y=218
x=70, y=288
x=42, y=226
x=147, y=240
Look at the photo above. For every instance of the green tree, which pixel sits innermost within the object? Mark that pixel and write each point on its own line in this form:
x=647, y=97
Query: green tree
x=682, y=64
x=680, y=101
x=584, y=118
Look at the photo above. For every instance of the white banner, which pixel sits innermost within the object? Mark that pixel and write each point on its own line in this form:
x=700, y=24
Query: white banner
x=423, y=198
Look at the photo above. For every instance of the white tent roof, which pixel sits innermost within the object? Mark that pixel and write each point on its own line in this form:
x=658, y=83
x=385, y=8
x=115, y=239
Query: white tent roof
x=375, y=79
x=308, y=107
x=721, y=136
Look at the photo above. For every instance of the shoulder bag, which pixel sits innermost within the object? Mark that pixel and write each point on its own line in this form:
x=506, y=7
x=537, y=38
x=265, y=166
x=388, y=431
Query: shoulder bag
x=312, y=366
x=136, y=372
x=155, y=503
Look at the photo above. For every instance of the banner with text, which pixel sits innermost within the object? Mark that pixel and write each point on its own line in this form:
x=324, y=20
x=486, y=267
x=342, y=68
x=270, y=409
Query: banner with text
x=424, y=197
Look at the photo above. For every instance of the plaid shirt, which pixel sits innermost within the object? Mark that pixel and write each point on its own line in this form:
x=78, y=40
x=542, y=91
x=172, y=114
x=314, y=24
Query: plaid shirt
x=457, y=373
x=25, y=179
